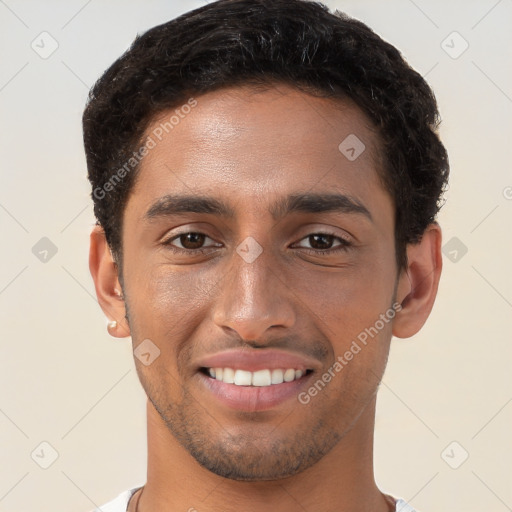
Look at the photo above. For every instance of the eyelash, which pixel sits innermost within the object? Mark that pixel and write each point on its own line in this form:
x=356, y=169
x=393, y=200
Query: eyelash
x=344, y=246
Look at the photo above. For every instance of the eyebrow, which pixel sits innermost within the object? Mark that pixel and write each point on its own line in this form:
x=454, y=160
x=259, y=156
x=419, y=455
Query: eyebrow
x=169, y=205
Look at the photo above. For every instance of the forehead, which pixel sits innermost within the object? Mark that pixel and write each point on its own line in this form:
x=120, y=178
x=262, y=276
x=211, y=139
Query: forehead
x=247, y=144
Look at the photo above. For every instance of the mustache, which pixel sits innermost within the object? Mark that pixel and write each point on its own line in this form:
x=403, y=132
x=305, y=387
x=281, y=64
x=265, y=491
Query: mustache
x=321, y=350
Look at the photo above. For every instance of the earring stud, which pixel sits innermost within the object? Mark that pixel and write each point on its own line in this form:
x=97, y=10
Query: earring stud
x=112, y=324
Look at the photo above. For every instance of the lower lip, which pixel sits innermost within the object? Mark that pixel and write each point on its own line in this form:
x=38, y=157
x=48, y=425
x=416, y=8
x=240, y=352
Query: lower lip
x=254, y=398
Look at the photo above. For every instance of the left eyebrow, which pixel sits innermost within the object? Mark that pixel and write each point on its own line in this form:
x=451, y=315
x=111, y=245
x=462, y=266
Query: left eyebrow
x=318, y=203
x=169, y=205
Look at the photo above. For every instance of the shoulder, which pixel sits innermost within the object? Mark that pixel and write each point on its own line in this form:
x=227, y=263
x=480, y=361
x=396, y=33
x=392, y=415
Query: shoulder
x=118, y=504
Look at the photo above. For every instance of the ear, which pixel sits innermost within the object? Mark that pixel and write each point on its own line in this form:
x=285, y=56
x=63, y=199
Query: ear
x=108, y=288
x=418, y=283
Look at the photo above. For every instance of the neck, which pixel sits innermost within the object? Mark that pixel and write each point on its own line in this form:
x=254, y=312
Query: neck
x=341, y=481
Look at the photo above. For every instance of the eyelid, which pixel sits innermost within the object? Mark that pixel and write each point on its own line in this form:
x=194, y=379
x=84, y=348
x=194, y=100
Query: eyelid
x=174, y=236
x=344, y=240
x=319, y=230
x=184, y=229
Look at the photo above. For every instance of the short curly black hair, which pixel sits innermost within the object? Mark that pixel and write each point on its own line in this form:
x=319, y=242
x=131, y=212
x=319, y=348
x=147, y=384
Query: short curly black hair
x=263, y=42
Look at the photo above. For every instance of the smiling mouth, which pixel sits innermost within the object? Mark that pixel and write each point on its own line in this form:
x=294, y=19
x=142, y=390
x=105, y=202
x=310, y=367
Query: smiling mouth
x=260, y=378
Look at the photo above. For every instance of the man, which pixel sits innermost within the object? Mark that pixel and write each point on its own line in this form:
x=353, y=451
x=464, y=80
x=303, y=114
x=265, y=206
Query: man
x=266, y=176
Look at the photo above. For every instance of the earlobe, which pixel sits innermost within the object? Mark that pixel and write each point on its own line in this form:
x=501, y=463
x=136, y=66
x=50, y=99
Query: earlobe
x=418, y=283
x=106, y=282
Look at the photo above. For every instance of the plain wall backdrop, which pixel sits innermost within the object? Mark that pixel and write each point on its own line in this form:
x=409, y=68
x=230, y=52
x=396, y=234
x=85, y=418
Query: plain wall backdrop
x=65, y=382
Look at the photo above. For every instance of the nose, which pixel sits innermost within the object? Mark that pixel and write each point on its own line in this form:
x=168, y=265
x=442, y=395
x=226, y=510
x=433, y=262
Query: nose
x=253, y=298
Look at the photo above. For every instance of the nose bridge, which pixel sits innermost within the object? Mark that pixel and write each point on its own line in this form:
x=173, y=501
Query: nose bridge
x=252, y=278
x=252, y=299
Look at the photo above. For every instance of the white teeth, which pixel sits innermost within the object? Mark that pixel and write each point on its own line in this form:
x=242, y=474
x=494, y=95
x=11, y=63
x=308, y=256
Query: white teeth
x=277, y=376
x=289, y=375
x=243, y=378
x=260, y=378
x=228, y=376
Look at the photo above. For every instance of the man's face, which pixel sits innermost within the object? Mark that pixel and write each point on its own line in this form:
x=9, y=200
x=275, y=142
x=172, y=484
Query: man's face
x=249, y=288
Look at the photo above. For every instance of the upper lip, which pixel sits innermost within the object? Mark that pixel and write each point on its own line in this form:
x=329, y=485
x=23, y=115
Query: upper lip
x=259, y=359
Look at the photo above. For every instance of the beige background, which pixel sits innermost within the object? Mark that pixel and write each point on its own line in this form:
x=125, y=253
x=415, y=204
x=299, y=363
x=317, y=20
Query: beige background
x=64, y=381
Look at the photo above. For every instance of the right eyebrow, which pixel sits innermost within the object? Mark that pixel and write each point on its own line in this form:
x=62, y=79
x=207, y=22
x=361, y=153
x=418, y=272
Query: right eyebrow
x=175, y=204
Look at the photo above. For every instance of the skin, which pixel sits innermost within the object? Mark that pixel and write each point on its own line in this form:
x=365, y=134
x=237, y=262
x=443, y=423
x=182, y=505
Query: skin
x=250, y=149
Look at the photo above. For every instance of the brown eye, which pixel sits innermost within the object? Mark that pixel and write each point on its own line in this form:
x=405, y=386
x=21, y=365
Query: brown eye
x=192, y=240
x=324, y=242
x=321, y=241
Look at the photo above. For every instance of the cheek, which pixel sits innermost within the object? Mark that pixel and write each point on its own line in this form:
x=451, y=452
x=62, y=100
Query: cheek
x=167, y=291
x=166, y=306
x=347, y=301
x=176, y=300
x=353, y=310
